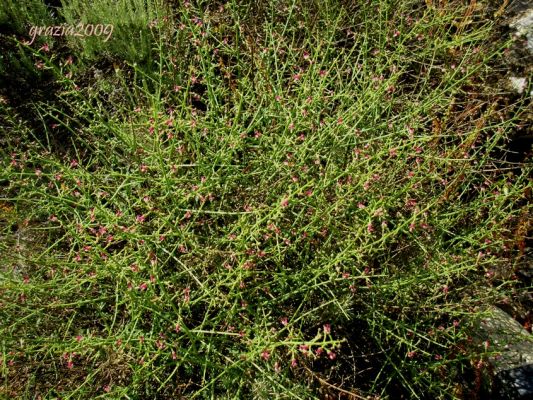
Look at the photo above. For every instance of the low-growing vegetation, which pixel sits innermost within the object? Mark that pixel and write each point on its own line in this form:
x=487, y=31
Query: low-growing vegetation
x=284, y=199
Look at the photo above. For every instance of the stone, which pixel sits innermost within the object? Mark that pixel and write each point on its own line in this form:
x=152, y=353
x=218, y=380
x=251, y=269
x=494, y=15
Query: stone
x=523, y=24
x=518, y=84
x=513, y=364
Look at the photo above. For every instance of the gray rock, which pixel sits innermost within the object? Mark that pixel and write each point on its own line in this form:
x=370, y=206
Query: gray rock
x=513, y=364
x=514, y=384
x=518, y=84
x=523, y=24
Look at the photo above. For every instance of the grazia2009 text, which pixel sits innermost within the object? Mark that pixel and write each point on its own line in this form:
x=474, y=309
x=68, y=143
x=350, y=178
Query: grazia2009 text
x=79, y=30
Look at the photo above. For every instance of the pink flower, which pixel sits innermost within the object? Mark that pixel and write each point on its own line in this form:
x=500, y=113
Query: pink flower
x=410, y=203
x=284, y=321
x=319, y=351
x=143, y=286
x=143, y=168
x=284, y=202
x=327, y=329
x=294, y=363
x=140, y=218
x=70, y=364
x=411, y=354
x=265, y=355
x=277, y=368
x=332, y=355
x=304, y=348
x=370, y=228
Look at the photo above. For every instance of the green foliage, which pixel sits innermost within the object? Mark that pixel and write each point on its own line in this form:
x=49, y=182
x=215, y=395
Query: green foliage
x=294, y=200
x=19, y=15
x=132, y=38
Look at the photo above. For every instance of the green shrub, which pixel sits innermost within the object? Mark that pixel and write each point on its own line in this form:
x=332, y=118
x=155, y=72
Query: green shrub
x=131, y=38
x=300, y=205
x=19, y=15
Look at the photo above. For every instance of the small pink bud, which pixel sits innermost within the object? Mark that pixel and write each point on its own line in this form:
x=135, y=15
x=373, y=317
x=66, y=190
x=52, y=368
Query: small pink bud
x=304, y=348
